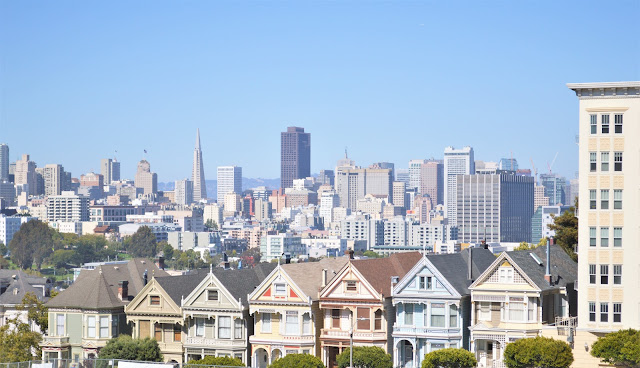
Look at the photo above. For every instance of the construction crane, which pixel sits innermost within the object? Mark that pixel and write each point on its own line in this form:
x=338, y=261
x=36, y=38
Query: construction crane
x=552, y=162
x=535, y=171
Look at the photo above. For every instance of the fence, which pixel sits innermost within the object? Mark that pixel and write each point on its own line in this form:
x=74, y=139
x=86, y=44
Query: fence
x=101, y=363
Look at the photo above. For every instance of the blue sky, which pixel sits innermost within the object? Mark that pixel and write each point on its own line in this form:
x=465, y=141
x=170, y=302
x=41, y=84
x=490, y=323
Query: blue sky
x=393, y=81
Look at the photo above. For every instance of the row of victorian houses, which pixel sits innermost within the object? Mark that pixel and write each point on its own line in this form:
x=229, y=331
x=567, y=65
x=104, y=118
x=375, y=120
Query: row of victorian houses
x=408, y=304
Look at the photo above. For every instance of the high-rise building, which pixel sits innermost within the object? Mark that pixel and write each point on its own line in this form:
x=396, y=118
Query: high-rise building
x=494, y=207
x=229, y=181
x=26, y=174
x=403, y=176
x=510, y=164
x=609, y=194
x=326, y=177
x=353, y=183
x=146, y=179
x=197, y=175
x=415, y=168
x=432, y=181
x=184, y=192
x=554, y=188
x=398, y=196
x=542, y=218
x=92, y=180
x=295, y=156
x=54, y=179
x=67, y=207
x=386, y=165
x=456, y=162
x=4, y=162
x=110, y=170
x=328, y=201
x=539, y=198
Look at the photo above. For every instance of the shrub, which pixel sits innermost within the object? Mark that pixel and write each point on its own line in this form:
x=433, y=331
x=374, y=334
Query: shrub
x=298, y=361
x=539, y=351
x=449, y=358
x=365, y=357
x=621, y=348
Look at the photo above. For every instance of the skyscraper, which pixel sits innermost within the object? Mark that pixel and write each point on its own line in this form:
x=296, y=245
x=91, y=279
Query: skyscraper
x=229, y=181
x=4, y=162
x=146, y=179
x=414, y=173
x=184, y=192
x=197, y=175
x=295, y=156
x=554, y=188
x=456, y=162
x=432, y=181
x=26, y=174
x=110, y=170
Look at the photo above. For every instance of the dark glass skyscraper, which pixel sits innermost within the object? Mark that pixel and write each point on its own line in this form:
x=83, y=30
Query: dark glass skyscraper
x=295, y=156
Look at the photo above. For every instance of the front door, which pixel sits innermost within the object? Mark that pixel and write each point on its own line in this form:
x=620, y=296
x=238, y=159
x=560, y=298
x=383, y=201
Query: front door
x=333, y=353
x=407, y=354
x=489, y=354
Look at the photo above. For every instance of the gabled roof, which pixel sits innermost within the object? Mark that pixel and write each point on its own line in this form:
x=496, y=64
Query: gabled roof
x=241, y=283
x=98, y=288
x=378, y=271
x=454, y=267
x=308, y=275
x=564, y=270
x=18, y=284
x=181, y=286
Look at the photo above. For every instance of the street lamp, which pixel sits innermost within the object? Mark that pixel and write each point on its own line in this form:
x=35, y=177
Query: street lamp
x=352, y=323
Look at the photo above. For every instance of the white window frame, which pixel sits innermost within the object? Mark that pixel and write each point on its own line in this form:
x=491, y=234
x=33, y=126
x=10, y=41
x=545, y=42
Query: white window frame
x=265, y=322
x=91, y=327
x=104, y=326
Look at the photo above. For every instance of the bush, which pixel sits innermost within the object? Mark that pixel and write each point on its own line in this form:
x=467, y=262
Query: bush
x=538, y=352
x=298, y=361
x=449, y=358
x=125, y=347
x=621, y=348
x=223, y=361
x=365, y=357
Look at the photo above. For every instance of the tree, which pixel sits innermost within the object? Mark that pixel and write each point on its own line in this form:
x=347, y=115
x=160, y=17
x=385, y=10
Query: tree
x=621, y=348
x=365, y=357
x=566, y=229
x=298, y=361
x=370, y=254
x=18, y=342
x=36, y=311
x=142, y=243
x=3, y=249
x=449, y=358
x=61, y=258
x=218, y=361
x=33, y=242
x=167, y=249
x=211, y=225
x=543, y=352
x=125, y=347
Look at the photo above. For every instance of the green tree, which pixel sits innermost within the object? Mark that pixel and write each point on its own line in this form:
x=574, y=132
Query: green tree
x=36, y=311
x=142, y=243
x=621, y=348
x=365, y=357
x=33, y=242
x=219, y=361
x=566, y=229
x=63, y=257
x=370, y=254
x=3, y=249
x=211, y=225
x=18, y=342
x=125, y=347
x=298, y=361
x=449, y=358
x=543, y=352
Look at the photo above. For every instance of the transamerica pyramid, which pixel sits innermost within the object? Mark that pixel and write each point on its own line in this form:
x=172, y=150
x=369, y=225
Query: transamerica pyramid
x=197, y=176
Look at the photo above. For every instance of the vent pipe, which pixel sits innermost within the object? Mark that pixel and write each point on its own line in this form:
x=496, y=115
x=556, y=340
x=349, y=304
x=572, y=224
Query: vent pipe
x=547, y=275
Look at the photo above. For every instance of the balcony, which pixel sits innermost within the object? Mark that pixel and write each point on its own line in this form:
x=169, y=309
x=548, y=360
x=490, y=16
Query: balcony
x=424, y=331
x=357, y=335
x=204, y=342
x=55, y=341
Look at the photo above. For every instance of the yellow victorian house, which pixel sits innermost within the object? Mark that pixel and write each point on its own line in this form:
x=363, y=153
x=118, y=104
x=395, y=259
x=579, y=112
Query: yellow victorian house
x=287, y=318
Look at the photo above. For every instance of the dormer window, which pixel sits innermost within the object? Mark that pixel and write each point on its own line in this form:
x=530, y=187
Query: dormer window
x=425, y=282
x=351, y=286
x=212, y=295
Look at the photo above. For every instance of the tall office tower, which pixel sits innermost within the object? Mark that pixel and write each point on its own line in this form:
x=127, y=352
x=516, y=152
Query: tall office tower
x=494, y=207
x=539, y=199
x=508, y=164
x=295, y=156
x=146, y=179
x=197, y=175
x=110, y=170
x=574, y=185
x=403, y=176
x=67, y=207
x=378, y=182
x=54, y=179
x=399, y=191
x=608, y=234
x=415, y=166
x=456, y=162
x=354, y=183
x=26, y=174
x=328, y=201
x=386, y=165
x=554, y=188
x=326, y=177
x=4, y=162
x=432, y=181
x=184, y=192
x=229, y=181
x=92, y=180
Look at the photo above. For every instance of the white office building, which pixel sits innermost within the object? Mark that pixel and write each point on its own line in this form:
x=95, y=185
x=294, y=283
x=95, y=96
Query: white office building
x=456, y=162
x=229, y=181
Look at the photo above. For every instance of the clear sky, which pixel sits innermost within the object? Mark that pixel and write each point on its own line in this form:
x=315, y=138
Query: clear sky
x=392, y=81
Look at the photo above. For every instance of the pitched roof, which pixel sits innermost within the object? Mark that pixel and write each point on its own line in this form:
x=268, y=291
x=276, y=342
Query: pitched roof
x=98, y=288
x=241, y=283
x=378, y=271
x=454, y=267
x=308, y=275
x=564, y=270
x=179, y=286
x=17, y=284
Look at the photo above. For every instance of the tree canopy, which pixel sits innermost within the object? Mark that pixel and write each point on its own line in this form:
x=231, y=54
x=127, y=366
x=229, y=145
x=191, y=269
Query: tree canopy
x=142, y=243
x=543, y=352
x=621, y=348
x=566, y=229
x=36, y=311
x=365, y=357
x=449, y=358
x=298, y=361
x=18, y=342
x=125, y=347
x=32, y=243
x=218, y=361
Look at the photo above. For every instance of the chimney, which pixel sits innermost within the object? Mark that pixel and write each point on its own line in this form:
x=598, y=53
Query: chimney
x=324, y=277
x=470, y=268
x=160, y=262
x=349, y=253
x=287, y=258
x=145, y=276
x=123, y=290
x=547, y=275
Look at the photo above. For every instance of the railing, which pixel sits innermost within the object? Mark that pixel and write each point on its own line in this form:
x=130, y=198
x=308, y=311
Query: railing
x=55, y=340
x=356, y=334
x=565, y=324
x=426, y=330
x=204, y=341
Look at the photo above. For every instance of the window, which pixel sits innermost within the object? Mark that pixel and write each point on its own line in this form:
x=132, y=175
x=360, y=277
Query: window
x=506, y=275
x=592, y=199
x=594, y=123
x=306, y=324
x=408, y=314
x=114, y=326
x=592, y=274
x=592, y=312
x=437, y=315
x=617, y=236
x=453, y=315
x=199, y=326
x=453, y=345
x=60, y=324
x=617, y=312
x=351, y=286
x=617, y=274
x=238, y=326
x=364, y=321
x=157, y=331
x=335, y=318
x=212, y=295
x=604, y=161
x=377, y=322
x=281, y=289
x=292, y=324
x=516, y=309
x=224, y=327
x=484, y=314
x=104, y=326
x=423, y=281
x=605, y=124
x=604, y=312
x=436, y=346
x=154, y=300
x=617, y=161
x=604, y=199
x=604, y=274
x=531, y=309
x=617, y=199
x=177, y=333
x=604, y=236
x=592, y=236
x=618, y=123
x=593, y=161
x=91, y=327
x=266, y=323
